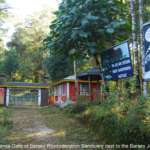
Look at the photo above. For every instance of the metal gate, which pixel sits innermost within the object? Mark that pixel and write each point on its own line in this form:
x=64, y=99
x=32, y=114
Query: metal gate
x=19, y=97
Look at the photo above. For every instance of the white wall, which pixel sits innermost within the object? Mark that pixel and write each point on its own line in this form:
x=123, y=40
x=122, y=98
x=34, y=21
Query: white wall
x=39, y=97
x=7, y=96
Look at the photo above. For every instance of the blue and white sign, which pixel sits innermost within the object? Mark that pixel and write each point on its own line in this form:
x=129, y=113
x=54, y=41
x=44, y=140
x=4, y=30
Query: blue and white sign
x=116, y=62
x=146, y=52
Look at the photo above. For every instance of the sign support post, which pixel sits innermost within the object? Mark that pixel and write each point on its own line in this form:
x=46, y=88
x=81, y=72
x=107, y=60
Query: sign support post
x=145, y=55
x=141, y=46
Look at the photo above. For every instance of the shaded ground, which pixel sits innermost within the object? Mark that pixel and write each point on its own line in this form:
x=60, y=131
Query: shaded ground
x=47, y=126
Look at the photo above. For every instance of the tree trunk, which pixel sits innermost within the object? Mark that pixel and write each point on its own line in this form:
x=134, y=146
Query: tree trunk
x=76, y=80
x=141, y=43
x=103, y=83
x=134, y=46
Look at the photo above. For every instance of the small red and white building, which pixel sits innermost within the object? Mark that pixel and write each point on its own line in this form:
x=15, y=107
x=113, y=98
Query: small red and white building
x=87, y=85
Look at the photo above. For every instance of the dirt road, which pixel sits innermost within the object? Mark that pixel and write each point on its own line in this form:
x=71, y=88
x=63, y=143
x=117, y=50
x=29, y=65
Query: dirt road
x=47, y=126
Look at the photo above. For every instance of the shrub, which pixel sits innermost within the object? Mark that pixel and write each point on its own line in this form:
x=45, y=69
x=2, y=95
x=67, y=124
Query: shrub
x=120, y=121
x=80, y=105
x=5, y=124
x=3, y=131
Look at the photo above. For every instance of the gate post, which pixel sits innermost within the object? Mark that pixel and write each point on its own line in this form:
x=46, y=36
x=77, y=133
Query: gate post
x=7, y=96
x=68, y=91
x=39, y=97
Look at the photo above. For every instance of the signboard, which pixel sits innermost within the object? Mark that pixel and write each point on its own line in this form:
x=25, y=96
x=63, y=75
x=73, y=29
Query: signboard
x=116, y=62
x=146, y=51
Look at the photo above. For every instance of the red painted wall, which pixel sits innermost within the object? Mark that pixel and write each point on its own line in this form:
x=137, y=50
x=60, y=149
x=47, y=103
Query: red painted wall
x=2, y=93
x=72, y=90
x=63, y=96
x=95, y=87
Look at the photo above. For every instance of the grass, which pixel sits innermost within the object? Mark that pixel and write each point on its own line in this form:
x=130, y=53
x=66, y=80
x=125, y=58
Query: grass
x=70, y=130
x=5, y=124
x=49, y=125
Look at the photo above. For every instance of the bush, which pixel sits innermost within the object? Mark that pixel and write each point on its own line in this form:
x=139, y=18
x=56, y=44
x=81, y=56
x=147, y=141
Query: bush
x=119, y=122
x=3, y=131
x=5, y=124
x=78, y=108
x=80, y=105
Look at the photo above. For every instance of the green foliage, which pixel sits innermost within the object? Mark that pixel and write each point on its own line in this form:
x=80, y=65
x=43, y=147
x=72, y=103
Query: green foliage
x=59, y=66
x=27, y=40
x=10, y=63
x=5, y=118
x=5, y=124
x=3, y=15
x=85, y=26
x=82, y=28
x=146, y=11
x=3, y=131
x=80, y=106
x=119, y=121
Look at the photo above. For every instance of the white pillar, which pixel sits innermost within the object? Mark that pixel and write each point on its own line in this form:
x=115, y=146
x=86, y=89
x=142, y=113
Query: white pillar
x=39, y=97
x=7, y=96
x=68, y=91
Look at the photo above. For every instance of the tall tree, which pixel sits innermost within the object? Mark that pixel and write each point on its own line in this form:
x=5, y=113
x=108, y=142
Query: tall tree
x=134, y=45
x=87, y=27
x=141, y=42
x=10, y=63
x=27, y=40
x=3, y=14
x=59, y=66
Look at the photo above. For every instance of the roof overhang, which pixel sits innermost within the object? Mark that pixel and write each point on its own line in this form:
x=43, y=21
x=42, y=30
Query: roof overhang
x=79, y=81
x=24, y=85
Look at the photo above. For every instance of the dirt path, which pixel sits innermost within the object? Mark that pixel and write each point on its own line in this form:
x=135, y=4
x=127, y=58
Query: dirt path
x=29, y=127
x=47, y=126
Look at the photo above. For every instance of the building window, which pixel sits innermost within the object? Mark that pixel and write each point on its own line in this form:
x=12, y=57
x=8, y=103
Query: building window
x=64, y=89
x=84, y=89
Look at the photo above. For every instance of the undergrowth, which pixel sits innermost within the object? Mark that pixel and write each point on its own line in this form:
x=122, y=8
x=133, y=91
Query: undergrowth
x=117, y=121
x=5, y=124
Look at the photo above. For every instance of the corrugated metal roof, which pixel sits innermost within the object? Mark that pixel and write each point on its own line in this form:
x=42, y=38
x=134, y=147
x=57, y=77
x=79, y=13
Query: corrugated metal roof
x=92, y=72
x=70, y=77
x=27, y=84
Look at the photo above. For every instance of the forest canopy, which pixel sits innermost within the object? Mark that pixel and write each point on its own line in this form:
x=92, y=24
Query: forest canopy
x=84, y=28
x=46, y=44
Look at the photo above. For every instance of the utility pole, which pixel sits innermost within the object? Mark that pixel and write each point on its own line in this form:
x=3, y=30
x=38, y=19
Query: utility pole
x=141, y=44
